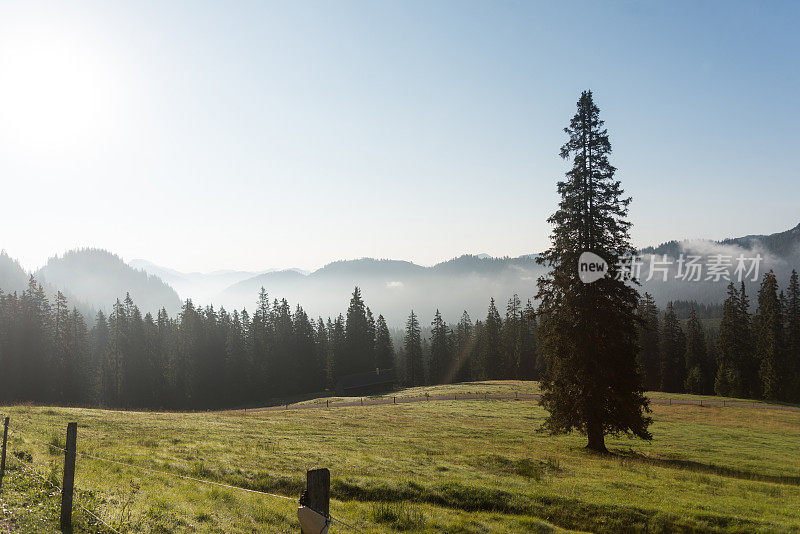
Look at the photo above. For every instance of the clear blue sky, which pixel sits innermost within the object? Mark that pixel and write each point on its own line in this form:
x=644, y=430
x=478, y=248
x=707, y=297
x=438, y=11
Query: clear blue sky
x=250, y=135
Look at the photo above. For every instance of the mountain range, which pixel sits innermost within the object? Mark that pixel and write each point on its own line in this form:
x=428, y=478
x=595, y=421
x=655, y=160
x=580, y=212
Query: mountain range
x=94, y=279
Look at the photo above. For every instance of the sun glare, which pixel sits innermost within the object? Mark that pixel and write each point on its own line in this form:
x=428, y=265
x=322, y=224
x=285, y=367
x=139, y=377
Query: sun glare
x=55, y=93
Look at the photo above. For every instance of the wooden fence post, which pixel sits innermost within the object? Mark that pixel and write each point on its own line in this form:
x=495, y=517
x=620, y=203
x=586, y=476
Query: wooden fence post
x=69, y=477
x=318, y=491
x=3, y=459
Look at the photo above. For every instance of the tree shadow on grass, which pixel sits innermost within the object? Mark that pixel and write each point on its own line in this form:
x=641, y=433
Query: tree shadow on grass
x=700, y=467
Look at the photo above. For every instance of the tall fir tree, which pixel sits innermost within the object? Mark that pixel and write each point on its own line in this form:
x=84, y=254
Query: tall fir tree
x=415, y=373
x=673, y=348
x=649, y=342
x=338, y=350
x=793, y=337
x=60, y=364
x=236, y=369
x=509, y=336
x=77, y=374
x=527, y=345
x=307, y=370
x=728, y=382
x=588, y=331
x=464, y=344
x=358, y=338
x=260, y=343
x=490, y=360
x=748, y=361
x=322, y=342
x=372, y=332
x=441, y=351
x=696, y=355
x=384, y=348
x=769, y=346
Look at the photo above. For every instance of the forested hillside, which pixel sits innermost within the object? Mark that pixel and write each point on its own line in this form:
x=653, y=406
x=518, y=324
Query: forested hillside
x=97, y=277
x=12, y=276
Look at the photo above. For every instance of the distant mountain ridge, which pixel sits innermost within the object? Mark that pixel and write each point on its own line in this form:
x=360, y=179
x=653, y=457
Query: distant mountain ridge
x=98, y=278
x=196, y=286
x=782, y=244
x=393, y=288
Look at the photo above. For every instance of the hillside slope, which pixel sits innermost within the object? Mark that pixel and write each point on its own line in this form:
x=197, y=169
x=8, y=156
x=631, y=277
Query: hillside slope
x=99, y=278
x=445, y=466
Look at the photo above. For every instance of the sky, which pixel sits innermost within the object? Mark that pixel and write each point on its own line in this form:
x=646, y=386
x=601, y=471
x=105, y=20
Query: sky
x=256, y=135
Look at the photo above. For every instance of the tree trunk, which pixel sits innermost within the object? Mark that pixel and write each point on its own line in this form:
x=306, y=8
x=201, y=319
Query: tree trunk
x=597, y=440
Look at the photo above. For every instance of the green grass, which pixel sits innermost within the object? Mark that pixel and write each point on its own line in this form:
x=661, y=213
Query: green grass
x=445, y=466
x=486, y=387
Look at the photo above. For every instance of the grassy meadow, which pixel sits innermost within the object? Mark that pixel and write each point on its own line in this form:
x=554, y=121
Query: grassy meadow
x=443, y=466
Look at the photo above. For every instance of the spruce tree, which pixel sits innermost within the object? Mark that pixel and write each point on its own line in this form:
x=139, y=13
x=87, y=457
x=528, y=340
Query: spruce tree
x=476, y=363
x=338, y=350
x=76, y=378
x=440, y=351
x=304, y=372
x=322, y=342
x=463, y=347
x=358, y=338
x=372, y=332
x=748, y=361
x=415, y=373
x=696, y=355
x=384, y=348
x=527, y=346
x=509, y=335
x=769, y=339
x=283, y=380
x=236, y=386
x=261, y=334
x=61, y=352
x=490, y=361
x=588, y=331
x=793, y=337
x=98, y=341
x=649, y=342
x=673, y=348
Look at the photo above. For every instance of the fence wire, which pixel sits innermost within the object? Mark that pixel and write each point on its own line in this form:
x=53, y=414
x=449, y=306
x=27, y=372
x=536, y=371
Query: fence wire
x=58, y=489
x=19, y=438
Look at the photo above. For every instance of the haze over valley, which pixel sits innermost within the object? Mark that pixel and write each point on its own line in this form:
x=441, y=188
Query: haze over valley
x=94, y=279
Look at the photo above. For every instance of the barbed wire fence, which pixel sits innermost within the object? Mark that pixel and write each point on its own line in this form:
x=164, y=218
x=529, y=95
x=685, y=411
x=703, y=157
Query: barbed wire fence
x=311, y=475
x=314, y=492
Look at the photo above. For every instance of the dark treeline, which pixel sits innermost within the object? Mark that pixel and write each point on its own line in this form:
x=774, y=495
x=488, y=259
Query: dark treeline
x=755, y=353
x=207, y=358
x=500, y=347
